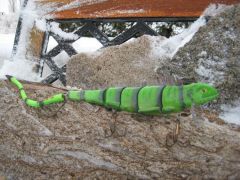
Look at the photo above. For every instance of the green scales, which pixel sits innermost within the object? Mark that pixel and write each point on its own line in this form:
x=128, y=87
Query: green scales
x=151, y=100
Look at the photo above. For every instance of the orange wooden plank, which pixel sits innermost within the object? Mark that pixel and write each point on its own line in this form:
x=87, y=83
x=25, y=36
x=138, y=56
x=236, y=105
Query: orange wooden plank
x=132, y=8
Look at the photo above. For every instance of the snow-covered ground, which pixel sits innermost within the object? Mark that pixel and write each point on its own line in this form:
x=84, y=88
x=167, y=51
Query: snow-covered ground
x=22, y=68
x=231, y=113
x=6, y=44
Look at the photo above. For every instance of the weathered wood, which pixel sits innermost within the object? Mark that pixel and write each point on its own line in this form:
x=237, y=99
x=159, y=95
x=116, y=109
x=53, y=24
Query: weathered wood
x=36, y=39
x=133, y=8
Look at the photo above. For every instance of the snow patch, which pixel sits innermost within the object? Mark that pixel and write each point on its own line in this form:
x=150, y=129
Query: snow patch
x=78, y=3
x=61, y=59
x=216, y=9
x=28, y=14
x=132, y=11
x=51, y=44
x=41, y=24
x=169, y=47
x=84, y=156
x=86, y=44
x=206, y=69
x=20, y=68
x=54, y=27
x=6, y=44
x=231, y=114
x=8, y=23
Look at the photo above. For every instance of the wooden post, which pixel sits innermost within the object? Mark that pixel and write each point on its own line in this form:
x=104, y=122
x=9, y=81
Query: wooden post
x=36, y=39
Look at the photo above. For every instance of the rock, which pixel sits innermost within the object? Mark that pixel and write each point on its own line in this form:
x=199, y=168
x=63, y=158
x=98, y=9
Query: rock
x=129, y=64
x=81, y=141
x=212, y=56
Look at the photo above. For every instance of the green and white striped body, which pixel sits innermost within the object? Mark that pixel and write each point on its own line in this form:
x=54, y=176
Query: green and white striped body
x=150, y=100
x=147, y=100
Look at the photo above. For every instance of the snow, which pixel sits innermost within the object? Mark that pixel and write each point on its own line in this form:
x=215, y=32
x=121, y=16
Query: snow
x=41, y=24
x=20, y=68
x=168, y=47
x=4, y=6
x=6, y=44
x=215, y=9
x=205, y=69
x=86, y=44
x=54, y=27
x=136, y=11
x=231, y=114
x=29, y=14
x=91, y=159
x=8, y=23
x=78, y=3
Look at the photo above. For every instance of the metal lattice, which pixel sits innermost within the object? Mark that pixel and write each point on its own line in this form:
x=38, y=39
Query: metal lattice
x=90, y=26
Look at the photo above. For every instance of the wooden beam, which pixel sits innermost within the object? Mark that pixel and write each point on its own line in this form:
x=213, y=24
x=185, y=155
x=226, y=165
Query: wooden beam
x=34, y=49
x=134, y=8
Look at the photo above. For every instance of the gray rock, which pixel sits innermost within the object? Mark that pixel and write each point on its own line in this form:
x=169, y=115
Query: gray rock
x=212, y=56
x=129, y=64
x=81, y=141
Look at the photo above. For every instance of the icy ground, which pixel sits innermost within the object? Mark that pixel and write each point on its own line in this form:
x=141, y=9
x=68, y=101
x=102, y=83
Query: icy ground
x=23, y=69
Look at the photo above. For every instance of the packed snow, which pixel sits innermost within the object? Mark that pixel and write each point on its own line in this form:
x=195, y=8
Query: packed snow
x=168, y=47
x=6, y=44
x=23, y=69
x=231, y=114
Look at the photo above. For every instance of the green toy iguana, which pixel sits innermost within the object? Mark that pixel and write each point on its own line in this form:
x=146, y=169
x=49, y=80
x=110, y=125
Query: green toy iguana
x=151, y=100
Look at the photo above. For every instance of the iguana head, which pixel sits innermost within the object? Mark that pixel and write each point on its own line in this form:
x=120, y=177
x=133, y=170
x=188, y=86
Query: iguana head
x=201, y=93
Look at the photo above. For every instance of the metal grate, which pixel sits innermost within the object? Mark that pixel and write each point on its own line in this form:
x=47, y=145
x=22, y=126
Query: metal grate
x=91, y=26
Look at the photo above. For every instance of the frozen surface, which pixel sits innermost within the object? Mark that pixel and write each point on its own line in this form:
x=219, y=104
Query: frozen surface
x=20, y=68
x=6, y=44
x=231, y=113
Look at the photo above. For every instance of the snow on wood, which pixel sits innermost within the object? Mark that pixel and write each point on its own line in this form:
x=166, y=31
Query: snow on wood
x=125, y=8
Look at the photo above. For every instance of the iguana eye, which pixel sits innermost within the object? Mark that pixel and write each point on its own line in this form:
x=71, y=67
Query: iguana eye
x=204, y=90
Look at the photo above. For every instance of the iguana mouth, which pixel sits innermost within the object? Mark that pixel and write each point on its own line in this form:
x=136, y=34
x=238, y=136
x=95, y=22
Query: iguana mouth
x=212, y=97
